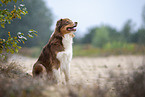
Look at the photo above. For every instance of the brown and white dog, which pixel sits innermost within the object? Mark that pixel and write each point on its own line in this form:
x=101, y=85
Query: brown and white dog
x=57, y=53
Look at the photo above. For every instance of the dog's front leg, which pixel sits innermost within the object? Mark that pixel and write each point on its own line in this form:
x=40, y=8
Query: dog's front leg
x=56, y=75
x=67, y=73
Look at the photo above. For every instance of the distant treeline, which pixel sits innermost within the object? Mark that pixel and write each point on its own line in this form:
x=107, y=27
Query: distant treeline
x=104, y=35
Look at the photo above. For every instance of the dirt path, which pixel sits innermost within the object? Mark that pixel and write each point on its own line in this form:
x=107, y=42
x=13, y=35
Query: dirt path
x=91, y=70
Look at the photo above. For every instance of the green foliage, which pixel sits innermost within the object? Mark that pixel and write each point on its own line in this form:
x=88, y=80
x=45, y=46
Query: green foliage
x=141, y=37
x=109, y=37
x=101, y=37
x=11, y=44
x=87, y=39
x=7, y=1
x=113, y=34
x=6, y=16
x=39, y=17
x=127, y=31
x=119, y=45
x=116, y=48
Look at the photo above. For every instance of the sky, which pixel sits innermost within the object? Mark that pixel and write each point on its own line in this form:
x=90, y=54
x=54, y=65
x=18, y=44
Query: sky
x=91, y=13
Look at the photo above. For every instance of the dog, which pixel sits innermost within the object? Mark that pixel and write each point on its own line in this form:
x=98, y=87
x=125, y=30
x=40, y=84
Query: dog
x=57, y=53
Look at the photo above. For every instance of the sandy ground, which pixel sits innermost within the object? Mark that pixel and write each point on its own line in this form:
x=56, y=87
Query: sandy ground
x=91, y=70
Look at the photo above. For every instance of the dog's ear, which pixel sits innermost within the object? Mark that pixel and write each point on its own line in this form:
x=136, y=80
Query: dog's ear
x=59, y=25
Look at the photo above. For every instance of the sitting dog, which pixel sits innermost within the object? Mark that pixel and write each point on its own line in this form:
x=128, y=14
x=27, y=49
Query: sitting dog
x=57, y=53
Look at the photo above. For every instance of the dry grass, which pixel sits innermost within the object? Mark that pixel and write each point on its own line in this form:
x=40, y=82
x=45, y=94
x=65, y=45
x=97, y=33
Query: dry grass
x=133, y=85
x=15, y=82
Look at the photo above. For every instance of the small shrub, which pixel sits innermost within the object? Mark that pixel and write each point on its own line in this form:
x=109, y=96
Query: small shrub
x=16, y=83
x=132, y=86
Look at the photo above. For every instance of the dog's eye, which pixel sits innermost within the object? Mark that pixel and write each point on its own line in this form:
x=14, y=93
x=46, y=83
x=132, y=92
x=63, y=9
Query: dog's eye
x=67, y=22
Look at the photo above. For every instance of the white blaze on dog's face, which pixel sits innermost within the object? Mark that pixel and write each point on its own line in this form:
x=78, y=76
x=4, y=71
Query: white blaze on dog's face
x=66, y=26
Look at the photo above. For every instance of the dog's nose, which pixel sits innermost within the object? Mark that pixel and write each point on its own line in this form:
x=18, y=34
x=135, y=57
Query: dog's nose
x=75, y=24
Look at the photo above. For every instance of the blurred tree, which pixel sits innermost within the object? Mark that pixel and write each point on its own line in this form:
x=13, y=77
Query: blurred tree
x=100, y=37
x=114, y=35
x=127, y=31
x=139, y=36
x=87, y=39
x=39, y=17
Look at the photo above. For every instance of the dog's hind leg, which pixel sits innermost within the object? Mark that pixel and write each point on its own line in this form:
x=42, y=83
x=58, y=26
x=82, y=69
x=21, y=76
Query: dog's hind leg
x=38, y=70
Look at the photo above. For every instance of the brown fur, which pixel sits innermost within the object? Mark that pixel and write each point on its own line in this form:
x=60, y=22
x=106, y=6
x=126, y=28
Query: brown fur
x=47, y=59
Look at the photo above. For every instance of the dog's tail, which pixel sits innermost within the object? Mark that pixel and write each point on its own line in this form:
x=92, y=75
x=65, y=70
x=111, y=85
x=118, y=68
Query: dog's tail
x=38, y=70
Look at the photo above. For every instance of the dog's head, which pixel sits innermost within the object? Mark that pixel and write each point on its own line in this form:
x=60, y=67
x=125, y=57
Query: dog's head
x=65, y=26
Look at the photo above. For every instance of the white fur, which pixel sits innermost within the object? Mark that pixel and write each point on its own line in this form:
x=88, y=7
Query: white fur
x=56, y=74
x=65, y=57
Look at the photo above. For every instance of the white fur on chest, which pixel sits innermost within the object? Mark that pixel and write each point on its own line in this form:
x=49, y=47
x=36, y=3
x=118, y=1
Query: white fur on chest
x=65, y=56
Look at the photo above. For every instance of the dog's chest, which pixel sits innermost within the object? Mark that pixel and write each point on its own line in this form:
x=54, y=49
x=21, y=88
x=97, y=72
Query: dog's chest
x=65, y=56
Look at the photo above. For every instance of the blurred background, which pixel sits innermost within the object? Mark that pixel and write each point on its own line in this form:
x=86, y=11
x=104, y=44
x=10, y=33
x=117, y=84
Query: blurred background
x=108, y=50
x=105, y=27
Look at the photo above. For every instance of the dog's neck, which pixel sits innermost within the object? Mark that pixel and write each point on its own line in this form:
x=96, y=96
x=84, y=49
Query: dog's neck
x=56, y=33
x=67, y=41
